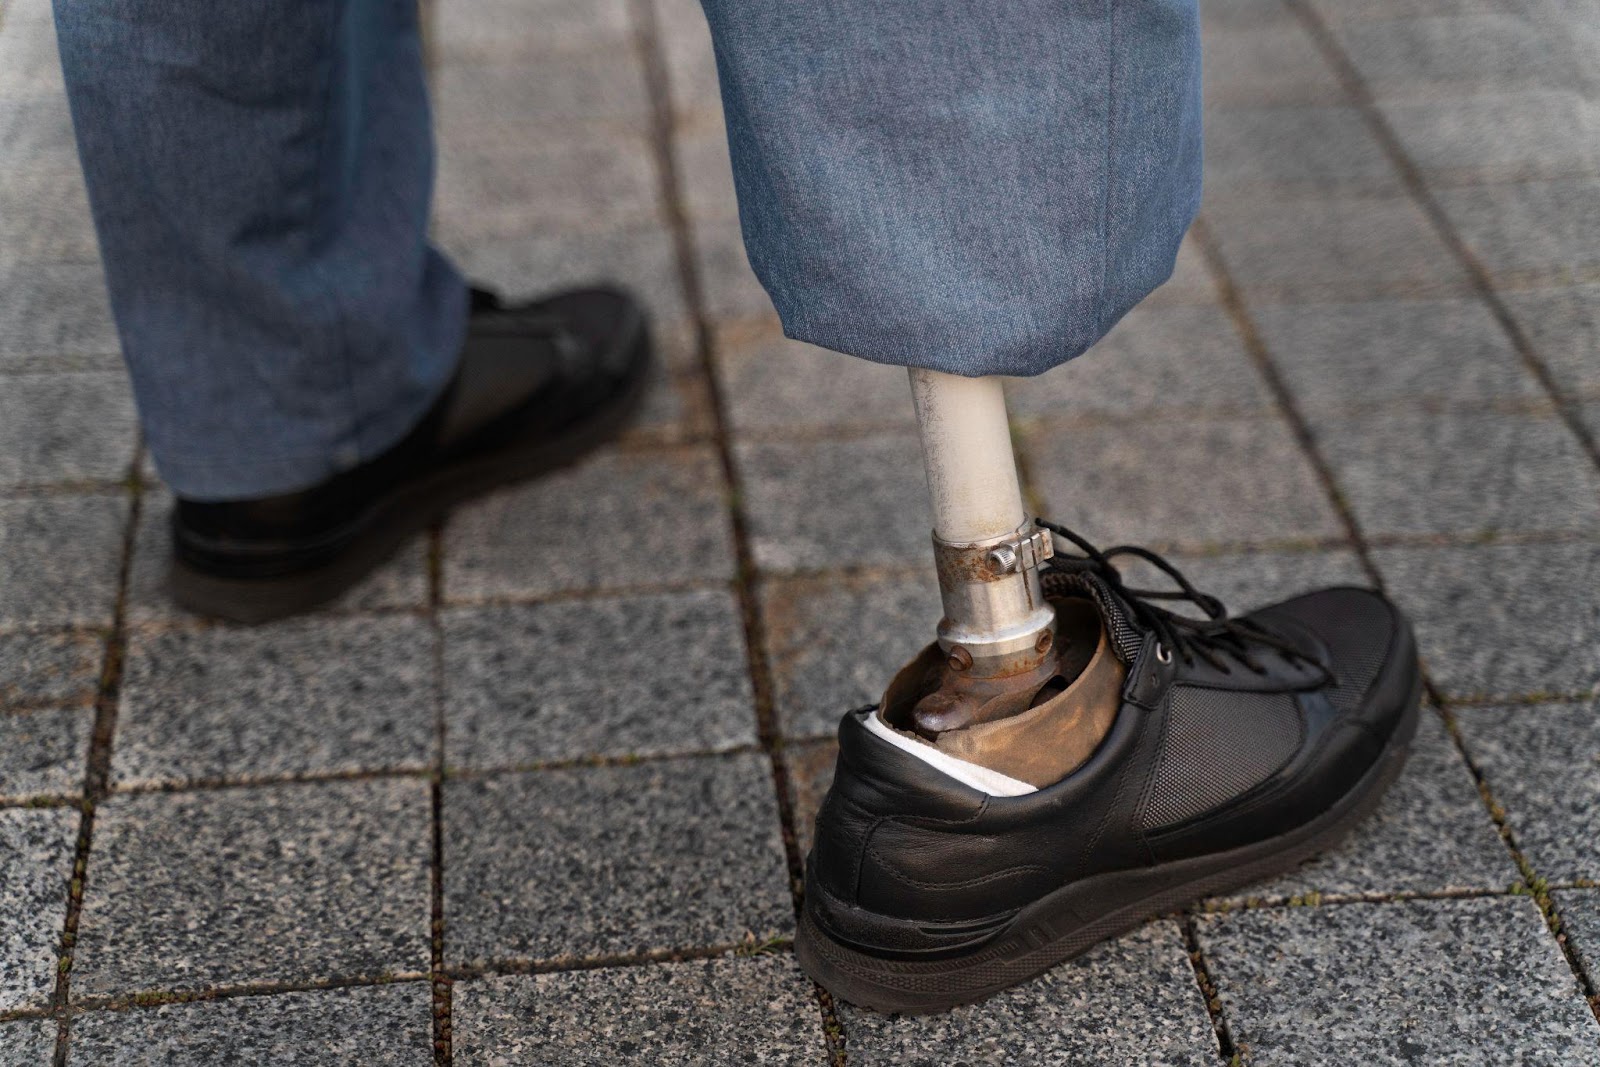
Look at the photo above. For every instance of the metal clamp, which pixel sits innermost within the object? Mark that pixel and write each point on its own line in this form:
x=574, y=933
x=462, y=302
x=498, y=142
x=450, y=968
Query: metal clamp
x=1023, y=553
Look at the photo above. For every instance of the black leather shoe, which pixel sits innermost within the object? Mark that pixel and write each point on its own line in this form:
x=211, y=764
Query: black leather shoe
x=1241, y=748
x=538, y=385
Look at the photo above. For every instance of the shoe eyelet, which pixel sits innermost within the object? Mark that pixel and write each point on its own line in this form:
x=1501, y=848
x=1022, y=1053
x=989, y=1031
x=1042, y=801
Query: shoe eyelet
x=1163, y=654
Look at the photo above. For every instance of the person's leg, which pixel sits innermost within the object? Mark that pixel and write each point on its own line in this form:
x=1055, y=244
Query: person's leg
x=260, y=174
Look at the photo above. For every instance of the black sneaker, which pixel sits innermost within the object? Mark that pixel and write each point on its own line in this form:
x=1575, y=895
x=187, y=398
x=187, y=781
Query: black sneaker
x=1241, y=748
x=538, y=385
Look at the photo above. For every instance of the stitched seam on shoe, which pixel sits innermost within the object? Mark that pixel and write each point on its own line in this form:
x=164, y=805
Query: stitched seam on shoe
x=888, y=868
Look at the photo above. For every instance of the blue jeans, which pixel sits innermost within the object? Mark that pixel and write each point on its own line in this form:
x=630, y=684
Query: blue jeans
x=975, y=188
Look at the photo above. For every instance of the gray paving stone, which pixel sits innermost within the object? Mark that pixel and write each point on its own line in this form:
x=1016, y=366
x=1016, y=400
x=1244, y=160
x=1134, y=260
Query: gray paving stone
x=389, y=1024
x=1358, y=357
x=55, y=317
x=59, y=559
x=44, y=212
x=1530, y=230
x=598, y=183
x=1563, y=326
x=617, y=521
x=814, y=505
x=1457, y=55
x=291, y=883
x=28, y=60
x=1580, y=925
x=1292, y=249
x=306, y=696
x=28, y=1043
x=1500, y=137
x=1134, y=1000
x=58, y=428
x=730, y=287
x=35, y=128
x=1272, y=63
x=49, y=668
x=705, y=172
x=685, y=40
x=834, y=641
x=610, y=861
x=1430, y=834
x=676, y=410
x=1502, y=620
x=1462, y=472
x=36, y=848
x=776, y=386
x=1183, y=482
x=400, y=582
x=43, y=752
x=809, y=766
x=630, y=676
x=641, y=258
x=757, y=1010
x=1190, y=283
x=1433, y=981
x=1542, y=763
x=1244, y=14
x=481, y=28
x=492, y=103
x=1339, y=11
x=1311, y=149
x=1157, y=359
x=1244, y=581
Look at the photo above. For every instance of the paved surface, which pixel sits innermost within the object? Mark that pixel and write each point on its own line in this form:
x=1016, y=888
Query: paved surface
x=431, y=826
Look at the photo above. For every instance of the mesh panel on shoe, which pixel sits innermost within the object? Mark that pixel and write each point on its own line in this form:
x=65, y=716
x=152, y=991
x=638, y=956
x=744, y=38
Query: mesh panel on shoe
x=1218, y=744
x=1125, y=637
x=1357, y=627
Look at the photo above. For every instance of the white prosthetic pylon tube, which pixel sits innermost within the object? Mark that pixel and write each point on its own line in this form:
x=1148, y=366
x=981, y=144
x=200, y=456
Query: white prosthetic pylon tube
x=996, y=622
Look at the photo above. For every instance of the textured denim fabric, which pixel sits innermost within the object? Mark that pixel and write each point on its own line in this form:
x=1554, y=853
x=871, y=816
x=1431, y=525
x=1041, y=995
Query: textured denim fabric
x=259, y=173
x=982, y=188
x=979, y=188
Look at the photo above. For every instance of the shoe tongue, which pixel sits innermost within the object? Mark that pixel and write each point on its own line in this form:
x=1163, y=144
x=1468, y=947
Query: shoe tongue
x=1125, y=635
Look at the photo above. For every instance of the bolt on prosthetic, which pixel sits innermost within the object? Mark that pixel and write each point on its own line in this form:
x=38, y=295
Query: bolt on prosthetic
x=1015, y=683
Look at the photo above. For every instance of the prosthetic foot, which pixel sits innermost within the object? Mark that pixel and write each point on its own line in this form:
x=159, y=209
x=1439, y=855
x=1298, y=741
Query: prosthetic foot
x=1070, y=759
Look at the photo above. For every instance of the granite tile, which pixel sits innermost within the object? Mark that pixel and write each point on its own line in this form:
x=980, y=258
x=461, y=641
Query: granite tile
x=64, y=428
x=834, y=641
x=59, y=559
x=1294, y=249
x=730, y=288
x=44, y=752
x=1530, y=230
x=55, y=316
x=28, y=1043
x=1133, y=1000
x=1270, y=63
x=1436, y=981
x=618, y=520
x=1430, y=834
x=1473, y=473
x=297, y=883
x=1580, y=924
x=1190, y=282
x=1542, y=763
x=35, y=128
x=1339, y=11
x=629, y=676
x=728, y=1010
x=676, y=410
x=49, y=668
x=611, y=861
x=1502, y=620
x=775, y=386
x=705, y=172
x=1244, y=14
x=388, y=1024
x=36, y=850
x=1306, y=149
x=814, y=505
x=1451, y=56
x=1158, y=359
x=399, y=582
x=492, y=102
x=587, y=183
x=1174, y=483
x=1500, y=137
x=809, y=766
x=1359, y=357
x=1563, y=325
x=685, y=41
x=44, y=212
x=477, y=29
x=301, y=697
x=28, y=60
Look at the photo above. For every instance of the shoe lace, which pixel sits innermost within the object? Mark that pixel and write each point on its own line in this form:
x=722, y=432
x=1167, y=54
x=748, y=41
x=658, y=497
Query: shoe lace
x=1215, y=639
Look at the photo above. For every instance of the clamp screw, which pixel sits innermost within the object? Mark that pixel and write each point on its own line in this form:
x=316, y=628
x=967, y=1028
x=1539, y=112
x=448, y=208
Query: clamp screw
x=960, y=659
x=1003, y=559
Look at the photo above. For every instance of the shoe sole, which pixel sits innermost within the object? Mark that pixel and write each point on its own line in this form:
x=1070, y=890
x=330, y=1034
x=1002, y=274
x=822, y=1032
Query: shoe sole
x=1078, y=916
x=406, y=512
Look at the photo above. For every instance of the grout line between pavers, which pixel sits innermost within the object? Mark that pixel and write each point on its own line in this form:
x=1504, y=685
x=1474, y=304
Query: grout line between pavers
x=439, y=982
x=658, y=80
x=97, y=769
x=1226, y=1048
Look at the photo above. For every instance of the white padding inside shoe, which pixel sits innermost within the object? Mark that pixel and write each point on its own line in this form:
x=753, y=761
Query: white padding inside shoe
x=971, y=774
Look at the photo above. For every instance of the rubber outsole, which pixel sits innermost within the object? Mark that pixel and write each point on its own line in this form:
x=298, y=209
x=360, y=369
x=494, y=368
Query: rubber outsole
x=1054, y=929
x=408, y=511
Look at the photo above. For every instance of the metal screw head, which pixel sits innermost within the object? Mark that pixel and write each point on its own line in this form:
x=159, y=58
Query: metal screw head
x=1003, y=559
x=960, y=659
x=1044, y=642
